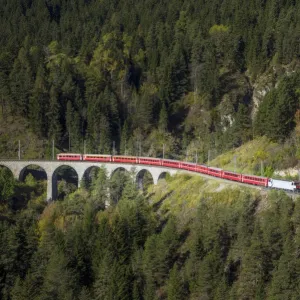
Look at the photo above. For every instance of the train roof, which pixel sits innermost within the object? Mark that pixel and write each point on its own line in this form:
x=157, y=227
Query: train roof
x=256, y=176
x=131, y=156
x=69, y=154
x=216, y=169
x=148, y=157
x=106, y=155
x=173, y=160
x=231, y=172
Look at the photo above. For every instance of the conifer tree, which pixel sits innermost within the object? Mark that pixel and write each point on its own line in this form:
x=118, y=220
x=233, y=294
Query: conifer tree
x=163, y=118
x=38, y=103
x=54, y=116
x=175, y=285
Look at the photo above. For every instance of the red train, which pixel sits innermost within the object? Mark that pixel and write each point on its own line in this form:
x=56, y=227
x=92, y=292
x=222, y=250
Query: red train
x=216, y=172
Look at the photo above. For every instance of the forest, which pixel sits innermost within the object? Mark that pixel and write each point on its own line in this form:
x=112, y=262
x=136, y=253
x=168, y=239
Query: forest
x=174, y=241
x=118, y=76
x=132, y=77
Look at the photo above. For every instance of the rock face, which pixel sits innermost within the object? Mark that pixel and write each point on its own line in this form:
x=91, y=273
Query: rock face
x=258, y=95
x=236, y=89
x=268, y=81
x=261, y=87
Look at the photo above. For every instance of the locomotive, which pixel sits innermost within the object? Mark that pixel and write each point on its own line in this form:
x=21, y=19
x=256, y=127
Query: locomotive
x=175, y=164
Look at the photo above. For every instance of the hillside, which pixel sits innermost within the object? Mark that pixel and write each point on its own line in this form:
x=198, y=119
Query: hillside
x=187, y=238
x=192, y=75
x=217, y=82
x=14, y=129
x=261, y=156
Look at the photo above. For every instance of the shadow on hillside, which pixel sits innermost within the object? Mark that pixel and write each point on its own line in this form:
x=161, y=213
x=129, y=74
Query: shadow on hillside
x=158, y=204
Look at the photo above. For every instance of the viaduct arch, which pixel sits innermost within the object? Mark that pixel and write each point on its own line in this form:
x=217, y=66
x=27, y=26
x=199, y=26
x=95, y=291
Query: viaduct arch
x=17, y=168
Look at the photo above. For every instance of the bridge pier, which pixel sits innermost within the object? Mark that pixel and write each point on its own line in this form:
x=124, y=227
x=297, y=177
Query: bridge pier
x=49, y=190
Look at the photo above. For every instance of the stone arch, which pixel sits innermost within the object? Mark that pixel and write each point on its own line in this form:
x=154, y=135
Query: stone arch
x=123, y=169
x=163, y=175
x=89, y=174
x=35, y=170
x=67, y=173
x=118, y=182
x=7, y=168
x=143, y=179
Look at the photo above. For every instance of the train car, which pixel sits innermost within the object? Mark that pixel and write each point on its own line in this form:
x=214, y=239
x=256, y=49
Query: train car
x=256, y=180
x=125, y=159
x=232, y=176
x=214, y=172
x=188, y=166
x=97, y=157
x=69, y=156
x=149, y=161
x=282, y=184
x=296, y=184
x=170, y=163
x=201, y=169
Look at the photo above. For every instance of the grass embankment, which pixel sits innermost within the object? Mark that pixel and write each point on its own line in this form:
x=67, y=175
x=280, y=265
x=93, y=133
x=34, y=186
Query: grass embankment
x=250, y=156
x=181, y=194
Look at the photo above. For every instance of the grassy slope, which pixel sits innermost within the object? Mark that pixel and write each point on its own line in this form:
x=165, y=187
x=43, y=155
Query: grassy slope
x=182, y=193
x=181, y=196
x=249, y=156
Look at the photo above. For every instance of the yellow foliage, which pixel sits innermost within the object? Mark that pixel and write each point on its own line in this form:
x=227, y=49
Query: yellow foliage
x=140, y=57
x=149, y=88
x=53, y=47
x=215, y=29
x=260, y=154
x=46, y=219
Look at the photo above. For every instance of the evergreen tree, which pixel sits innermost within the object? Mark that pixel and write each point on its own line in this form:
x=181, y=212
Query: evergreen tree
x=58, y=279
x=38, y=104
x=254, y=269
x=175, y=285
x=54, y=116
x=163, y=118
x=7, y=184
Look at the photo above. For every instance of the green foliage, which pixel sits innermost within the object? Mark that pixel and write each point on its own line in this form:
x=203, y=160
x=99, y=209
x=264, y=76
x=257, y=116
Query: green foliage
x=30, y=180
x=175, y=285
x=7, y=184
x=125, y=76
x=229, y=243
x=99, y=189
x=275, y=117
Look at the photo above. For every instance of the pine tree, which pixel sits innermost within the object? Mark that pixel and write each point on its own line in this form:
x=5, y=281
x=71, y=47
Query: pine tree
x=21, y=83
x=104, y=136
x=163, y=119
x=284, y=276
x=7, y=184
x=38, y=103
x=58, y=279
x=99, y=189
x=124, y=139
x=54, y=117
x=254, y=268
x=69, y=121
x=175, y=285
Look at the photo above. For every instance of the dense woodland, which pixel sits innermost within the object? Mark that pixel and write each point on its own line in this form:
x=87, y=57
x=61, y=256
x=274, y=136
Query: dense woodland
x=133, y=76
x=138, y=75
x=229, y=245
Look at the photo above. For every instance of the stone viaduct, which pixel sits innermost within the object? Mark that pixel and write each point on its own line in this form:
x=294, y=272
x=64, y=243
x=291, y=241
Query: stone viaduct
x=18, y=167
